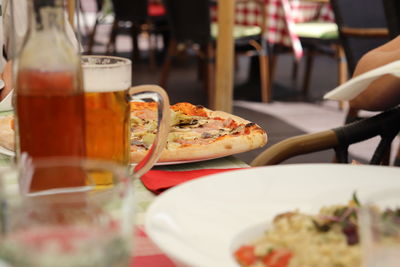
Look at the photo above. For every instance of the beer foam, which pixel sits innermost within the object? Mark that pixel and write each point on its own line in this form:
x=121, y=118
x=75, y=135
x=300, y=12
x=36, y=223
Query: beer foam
x=106, y=74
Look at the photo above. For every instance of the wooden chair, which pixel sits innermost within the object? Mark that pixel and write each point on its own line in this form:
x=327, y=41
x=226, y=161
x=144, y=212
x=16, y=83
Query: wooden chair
x=99, y=18
x=386, y=125
x=359, y=32
x=392, y=14
x=320, y=37
x=316, y=37
x=132, y=14
x=190, y=24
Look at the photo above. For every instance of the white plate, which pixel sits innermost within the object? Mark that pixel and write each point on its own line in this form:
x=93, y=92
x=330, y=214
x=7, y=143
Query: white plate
x=10, y=153
x=195, y=223
x=165, y=163
x=6, y=103
x=186, y=161
x=178, y=162
x=6, y=152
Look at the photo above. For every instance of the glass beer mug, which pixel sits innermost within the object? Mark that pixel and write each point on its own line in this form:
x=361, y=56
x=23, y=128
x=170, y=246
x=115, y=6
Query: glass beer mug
x=108, y=94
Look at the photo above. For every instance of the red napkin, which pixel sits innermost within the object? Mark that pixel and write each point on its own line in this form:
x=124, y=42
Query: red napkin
x=157, y=181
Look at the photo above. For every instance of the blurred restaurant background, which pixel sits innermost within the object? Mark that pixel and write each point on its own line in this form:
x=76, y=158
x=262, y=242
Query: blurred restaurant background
x=287, y=55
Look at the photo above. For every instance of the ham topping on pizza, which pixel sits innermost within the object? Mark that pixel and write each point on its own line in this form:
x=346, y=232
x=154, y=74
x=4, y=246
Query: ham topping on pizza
x=191, y=125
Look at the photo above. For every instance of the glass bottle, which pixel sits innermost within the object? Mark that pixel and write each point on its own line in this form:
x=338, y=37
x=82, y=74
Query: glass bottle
x=49, y=101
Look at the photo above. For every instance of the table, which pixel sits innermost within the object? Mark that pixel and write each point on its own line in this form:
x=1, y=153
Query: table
x=281, y=18
x=146, y=252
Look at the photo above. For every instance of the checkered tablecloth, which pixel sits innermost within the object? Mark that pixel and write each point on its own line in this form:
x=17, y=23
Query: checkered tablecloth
x=281, y=16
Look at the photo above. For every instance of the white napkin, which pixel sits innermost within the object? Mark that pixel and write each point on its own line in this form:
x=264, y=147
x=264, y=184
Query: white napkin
x=355, y=86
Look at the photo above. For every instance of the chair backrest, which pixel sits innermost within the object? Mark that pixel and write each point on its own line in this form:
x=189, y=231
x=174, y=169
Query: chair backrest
x=392, y=12
x=99, y=5
x=189, y=20
x=130, y=10
x=386, y=125
x=362, y=27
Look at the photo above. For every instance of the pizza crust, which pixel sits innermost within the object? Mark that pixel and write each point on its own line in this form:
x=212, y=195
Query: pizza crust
x=225, y=115
x=7, y=135
x=224, y=147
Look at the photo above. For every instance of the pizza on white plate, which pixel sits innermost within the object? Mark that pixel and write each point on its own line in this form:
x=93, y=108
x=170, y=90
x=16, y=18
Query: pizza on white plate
x=7, y=134
x=196, y=133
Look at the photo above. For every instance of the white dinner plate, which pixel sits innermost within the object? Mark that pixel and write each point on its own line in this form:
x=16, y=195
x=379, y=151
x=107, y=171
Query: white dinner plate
x=178, y=162
x=6, y=103
x=186, y=161
x=10, y=153
x=195, y=223
x=166, y=163
x=6, y=152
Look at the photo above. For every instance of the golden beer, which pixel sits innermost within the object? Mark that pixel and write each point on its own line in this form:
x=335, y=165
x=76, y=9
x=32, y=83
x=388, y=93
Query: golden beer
x=108, y=92
x=107, y=125
x=107, y=111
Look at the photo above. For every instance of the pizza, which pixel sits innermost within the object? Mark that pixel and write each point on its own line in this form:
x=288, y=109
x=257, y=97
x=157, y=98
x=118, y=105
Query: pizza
x=7, y=139
x=196, y=133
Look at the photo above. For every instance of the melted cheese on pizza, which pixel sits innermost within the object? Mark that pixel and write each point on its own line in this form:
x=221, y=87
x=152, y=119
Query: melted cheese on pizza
x=189, y=125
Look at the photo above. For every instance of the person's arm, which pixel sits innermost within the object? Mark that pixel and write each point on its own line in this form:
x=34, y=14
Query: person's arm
x=385, y=91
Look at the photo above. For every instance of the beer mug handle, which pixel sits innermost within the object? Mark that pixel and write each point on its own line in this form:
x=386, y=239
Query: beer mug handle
x=163, y=126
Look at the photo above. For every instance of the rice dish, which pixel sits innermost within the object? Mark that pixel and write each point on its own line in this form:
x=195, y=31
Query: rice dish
x=328, y=239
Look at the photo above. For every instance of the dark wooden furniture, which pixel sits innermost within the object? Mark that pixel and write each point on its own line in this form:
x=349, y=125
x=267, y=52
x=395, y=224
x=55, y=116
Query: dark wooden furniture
x=386, y=125
x=191, y=26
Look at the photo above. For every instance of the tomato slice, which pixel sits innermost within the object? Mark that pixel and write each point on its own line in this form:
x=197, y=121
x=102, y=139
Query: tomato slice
x=245, y=255
x=277, y=258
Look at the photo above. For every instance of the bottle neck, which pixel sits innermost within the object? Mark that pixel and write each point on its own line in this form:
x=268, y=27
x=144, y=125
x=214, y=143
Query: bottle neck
x=46, y=15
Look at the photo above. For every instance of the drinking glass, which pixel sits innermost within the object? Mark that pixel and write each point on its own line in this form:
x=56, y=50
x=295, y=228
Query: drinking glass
x=379, y=222
x=87, y=225
x=108, y=93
